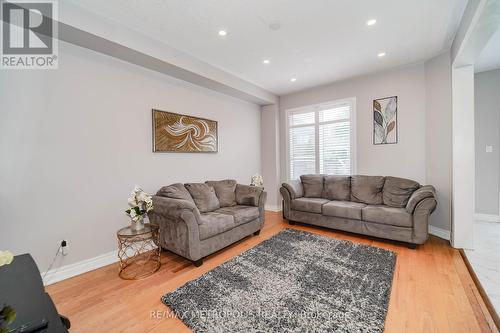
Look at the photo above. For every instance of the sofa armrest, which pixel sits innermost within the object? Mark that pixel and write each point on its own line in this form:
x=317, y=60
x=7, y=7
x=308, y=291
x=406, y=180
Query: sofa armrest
x=173, y=208
x=427, y=191
x=248, y=195
x=421, y=215
x=287, y=201
x=262, y=205
x=178, y=221
x=295, y=188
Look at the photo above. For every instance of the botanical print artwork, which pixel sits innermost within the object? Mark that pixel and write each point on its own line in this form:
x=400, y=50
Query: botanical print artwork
x=385, y=120
x=174, y=132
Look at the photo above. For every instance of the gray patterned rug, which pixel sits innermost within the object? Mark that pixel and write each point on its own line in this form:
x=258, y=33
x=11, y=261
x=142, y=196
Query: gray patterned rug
x=293, y=282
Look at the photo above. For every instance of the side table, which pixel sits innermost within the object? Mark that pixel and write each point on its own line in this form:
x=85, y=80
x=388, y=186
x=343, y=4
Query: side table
x=138, y=252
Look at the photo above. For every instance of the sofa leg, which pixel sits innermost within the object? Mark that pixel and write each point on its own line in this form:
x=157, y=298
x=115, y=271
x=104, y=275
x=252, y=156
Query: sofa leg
x=257, y=232
x=198, y=262
x=412, y=246
x=291, y=222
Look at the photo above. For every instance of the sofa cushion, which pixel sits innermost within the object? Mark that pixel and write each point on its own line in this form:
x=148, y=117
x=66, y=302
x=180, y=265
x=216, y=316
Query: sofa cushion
x=397, y=191
x=204, y=196
x=214, y=223
x=225, y=191
x=241, y=214
x=248, y=195
x=345, y=209
x=175, y=191
x=310, y=205
x=337, y=188
x=387, y=215
x=313, y=185
x=367, y=189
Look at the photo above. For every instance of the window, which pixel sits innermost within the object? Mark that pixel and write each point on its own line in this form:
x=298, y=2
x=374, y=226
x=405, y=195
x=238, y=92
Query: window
x=321, y=139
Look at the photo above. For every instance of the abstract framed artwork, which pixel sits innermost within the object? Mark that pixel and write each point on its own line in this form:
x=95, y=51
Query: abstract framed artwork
x=178, y=133
x=385, y=120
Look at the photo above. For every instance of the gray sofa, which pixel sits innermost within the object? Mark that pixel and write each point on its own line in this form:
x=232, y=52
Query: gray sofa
x=198, y=219
x=385, y=207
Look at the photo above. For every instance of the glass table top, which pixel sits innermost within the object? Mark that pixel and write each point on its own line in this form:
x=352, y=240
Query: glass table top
x=128, y=231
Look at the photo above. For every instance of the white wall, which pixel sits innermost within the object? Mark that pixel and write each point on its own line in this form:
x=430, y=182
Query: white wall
x=424, y=150
x=270, y=155
x=479, y=23
x=438, y=136
x=463, y=156
x=74, y=142
x=405, y=159
x=487, y=125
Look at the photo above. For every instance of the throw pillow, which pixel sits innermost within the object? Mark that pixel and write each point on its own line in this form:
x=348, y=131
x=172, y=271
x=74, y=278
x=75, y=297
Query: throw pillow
x=313, y=185
x=367, y=189
x=204, y=197
x=397, y=191
x=225, y=191
x=337, y=188
x=248, y=195
x=175, y=191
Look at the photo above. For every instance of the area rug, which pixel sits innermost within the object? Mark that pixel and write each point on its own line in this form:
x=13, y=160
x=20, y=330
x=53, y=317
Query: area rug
x=295, y=281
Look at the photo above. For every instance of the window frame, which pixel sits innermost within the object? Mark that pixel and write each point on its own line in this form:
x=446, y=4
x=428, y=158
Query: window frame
x=316, y=108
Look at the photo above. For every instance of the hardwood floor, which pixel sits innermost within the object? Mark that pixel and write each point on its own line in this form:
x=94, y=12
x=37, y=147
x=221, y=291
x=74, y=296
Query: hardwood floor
x=432, y=289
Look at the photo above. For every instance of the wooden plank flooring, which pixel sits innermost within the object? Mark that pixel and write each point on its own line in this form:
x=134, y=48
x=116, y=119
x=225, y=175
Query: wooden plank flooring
x=432, y=289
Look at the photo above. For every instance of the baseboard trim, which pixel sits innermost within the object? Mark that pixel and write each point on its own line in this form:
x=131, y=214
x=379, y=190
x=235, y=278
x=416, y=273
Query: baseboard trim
x=68, y=271
x=273, y=208
x=441, y=233
x=84, y=266
x=487, y=217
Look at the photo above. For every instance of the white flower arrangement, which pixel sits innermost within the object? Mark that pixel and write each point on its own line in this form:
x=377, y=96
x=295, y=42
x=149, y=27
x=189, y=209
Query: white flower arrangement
x=6, y=257
x=140, y=203
x=257, y=180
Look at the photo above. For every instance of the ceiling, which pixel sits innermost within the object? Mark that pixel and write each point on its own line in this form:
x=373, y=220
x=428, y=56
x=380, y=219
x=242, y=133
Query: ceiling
x=489, y=59
x=318, y=41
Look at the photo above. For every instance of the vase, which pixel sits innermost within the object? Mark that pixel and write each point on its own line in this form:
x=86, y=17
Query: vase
x=137, y=225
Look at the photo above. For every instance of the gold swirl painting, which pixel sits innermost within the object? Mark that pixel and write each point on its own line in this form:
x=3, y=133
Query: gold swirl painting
x=179, y=133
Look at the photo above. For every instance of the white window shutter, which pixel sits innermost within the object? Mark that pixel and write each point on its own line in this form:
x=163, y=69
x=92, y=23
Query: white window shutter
x=331, y=125
x=302, y=151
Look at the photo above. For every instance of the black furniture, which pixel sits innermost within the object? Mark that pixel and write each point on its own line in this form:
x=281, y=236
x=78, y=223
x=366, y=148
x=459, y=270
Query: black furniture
x=22, y=290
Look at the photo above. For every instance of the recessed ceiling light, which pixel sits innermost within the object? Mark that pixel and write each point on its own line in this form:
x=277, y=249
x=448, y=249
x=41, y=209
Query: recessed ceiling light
x=266, y=61
x=222, y=32
x=371, y=22
x=381, y=54
x=293, y=79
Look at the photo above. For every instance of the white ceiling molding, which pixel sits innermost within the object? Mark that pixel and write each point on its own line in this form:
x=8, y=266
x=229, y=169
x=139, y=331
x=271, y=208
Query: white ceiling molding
x=489, y=59
x=480, y=22
x=317, y=42
x=83, y=28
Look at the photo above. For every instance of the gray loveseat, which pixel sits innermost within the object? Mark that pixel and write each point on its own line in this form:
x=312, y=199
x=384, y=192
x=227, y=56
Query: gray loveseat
x=385, y=207
x=198, y=219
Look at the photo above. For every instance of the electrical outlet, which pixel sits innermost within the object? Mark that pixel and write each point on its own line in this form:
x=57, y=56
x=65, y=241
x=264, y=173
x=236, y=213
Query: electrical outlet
x=489, y=149
x=64, y=247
